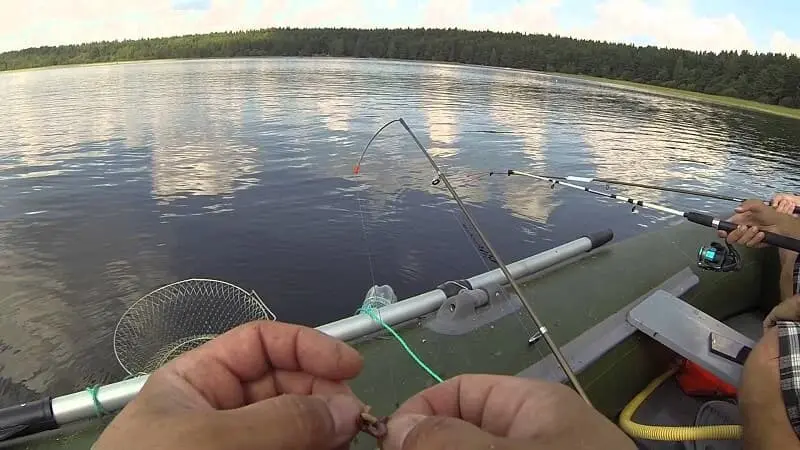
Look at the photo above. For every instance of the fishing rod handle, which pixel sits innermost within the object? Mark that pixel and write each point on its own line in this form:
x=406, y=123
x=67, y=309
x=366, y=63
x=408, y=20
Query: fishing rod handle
x=26, y=419
x=777, y=240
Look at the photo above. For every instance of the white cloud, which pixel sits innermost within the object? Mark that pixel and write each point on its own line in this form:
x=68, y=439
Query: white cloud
x=530, y=16
x=666, y=24
x=780, y=43
x=446, y=14
x=329, y=13
x=46, y=22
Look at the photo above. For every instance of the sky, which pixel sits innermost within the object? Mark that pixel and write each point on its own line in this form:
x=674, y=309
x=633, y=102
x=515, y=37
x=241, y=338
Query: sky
x=714, y=25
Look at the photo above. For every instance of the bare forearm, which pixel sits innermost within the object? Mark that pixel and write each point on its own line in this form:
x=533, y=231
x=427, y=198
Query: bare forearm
x=787, y=282
x=789, y=226
x=787, y=260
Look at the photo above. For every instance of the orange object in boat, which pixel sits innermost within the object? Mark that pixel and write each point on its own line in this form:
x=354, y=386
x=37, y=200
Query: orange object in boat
x=696, y=381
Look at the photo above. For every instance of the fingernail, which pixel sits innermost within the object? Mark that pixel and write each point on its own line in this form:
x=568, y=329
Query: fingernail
x=399, y=428
x=345, y=411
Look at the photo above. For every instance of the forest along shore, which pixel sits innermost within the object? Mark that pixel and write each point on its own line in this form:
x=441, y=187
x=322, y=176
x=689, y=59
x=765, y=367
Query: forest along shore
x=750, y=105
x=739, y=79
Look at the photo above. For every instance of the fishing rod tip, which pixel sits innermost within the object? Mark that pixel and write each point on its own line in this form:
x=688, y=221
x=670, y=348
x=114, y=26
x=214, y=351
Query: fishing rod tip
x=356, y=169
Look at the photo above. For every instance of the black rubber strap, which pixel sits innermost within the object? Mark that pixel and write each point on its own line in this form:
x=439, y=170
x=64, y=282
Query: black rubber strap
x=451, y=288
x=600, y=238
x=27, y=418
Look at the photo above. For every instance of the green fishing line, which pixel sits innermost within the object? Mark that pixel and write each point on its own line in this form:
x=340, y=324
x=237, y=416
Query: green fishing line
x=371, y=312
x=98, y=407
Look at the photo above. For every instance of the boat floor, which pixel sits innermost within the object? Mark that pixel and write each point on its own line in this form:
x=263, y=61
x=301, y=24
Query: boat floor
x=669, y=406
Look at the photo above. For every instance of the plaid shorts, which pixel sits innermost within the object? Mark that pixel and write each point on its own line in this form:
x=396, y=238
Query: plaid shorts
x=789, y=369
x=796, y=276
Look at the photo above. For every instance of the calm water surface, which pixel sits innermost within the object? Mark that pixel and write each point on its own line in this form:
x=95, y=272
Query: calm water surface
x=117, y=179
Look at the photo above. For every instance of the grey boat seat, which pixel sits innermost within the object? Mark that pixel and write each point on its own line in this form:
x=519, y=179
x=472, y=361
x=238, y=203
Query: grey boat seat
x=687, y=331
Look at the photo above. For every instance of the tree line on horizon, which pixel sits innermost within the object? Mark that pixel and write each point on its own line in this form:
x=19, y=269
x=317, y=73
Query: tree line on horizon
x=764, y=77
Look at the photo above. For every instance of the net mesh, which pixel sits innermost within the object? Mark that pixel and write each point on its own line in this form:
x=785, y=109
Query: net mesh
x=179, y=317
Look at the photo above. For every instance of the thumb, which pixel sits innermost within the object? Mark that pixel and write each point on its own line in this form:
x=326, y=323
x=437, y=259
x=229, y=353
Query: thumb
x=417, y=432
x=296, y=422
x=755, y=206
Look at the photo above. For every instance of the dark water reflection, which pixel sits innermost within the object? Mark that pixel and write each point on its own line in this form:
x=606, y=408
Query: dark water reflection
x=117, y=179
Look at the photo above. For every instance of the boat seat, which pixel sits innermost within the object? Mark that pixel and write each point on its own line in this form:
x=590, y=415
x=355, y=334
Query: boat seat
x=687, y=331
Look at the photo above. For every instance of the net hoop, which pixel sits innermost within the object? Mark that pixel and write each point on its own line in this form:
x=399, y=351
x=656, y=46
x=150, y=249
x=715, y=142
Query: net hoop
x=181, y=316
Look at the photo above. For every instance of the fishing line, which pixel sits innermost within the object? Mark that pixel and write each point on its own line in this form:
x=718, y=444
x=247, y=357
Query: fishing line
x=441, y=177
x=692, y=216
x=366, y=239
x=374, y=314
x=480, y=252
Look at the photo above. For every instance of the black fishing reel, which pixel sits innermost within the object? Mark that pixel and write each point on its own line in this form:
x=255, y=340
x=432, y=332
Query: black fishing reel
x=717, y=257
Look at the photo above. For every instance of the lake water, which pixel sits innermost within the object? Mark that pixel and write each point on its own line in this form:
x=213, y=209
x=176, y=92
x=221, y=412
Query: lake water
x=117, y=179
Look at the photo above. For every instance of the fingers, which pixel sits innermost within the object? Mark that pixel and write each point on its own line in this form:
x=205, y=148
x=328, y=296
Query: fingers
x=293, y=422
x=419, y=432
x=503, y=406
x=785, y=206
x=522, y=410
x=238, y=366
x=752, y=206
x=744, y=235
x=250, y=350
x=283, y=382
x=756, y=212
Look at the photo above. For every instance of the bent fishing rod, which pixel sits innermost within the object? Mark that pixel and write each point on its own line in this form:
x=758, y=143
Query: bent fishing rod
x=692, y=192
x=441, y=177
x=692, y=216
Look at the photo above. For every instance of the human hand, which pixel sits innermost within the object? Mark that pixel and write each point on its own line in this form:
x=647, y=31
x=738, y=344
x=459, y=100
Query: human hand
x=788, y=309
x=491, y=411
x=785, y=203
x=263, y=385
x=753, y=218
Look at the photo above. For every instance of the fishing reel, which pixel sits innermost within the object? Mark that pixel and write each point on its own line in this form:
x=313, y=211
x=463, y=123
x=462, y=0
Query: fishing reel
x=717, y=257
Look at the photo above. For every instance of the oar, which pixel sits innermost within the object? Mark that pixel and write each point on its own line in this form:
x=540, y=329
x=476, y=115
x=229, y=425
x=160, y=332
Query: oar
x=692, y=216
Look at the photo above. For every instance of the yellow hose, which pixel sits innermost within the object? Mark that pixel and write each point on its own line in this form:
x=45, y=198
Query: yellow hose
x=665, y=433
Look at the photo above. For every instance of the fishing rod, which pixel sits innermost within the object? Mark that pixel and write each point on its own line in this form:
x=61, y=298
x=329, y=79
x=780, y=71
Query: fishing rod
x=441, y=177
x=692, y=216
x=692, y=192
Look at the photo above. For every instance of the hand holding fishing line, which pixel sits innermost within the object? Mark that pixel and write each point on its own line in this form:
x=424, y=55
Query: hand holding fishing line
x=492, y=411
x=262, y=385
x=269, y=385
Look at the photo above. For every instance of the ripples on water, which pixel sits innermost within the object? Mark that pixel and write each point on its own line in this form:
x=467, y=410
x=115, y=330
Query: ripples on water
x=117, y=179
